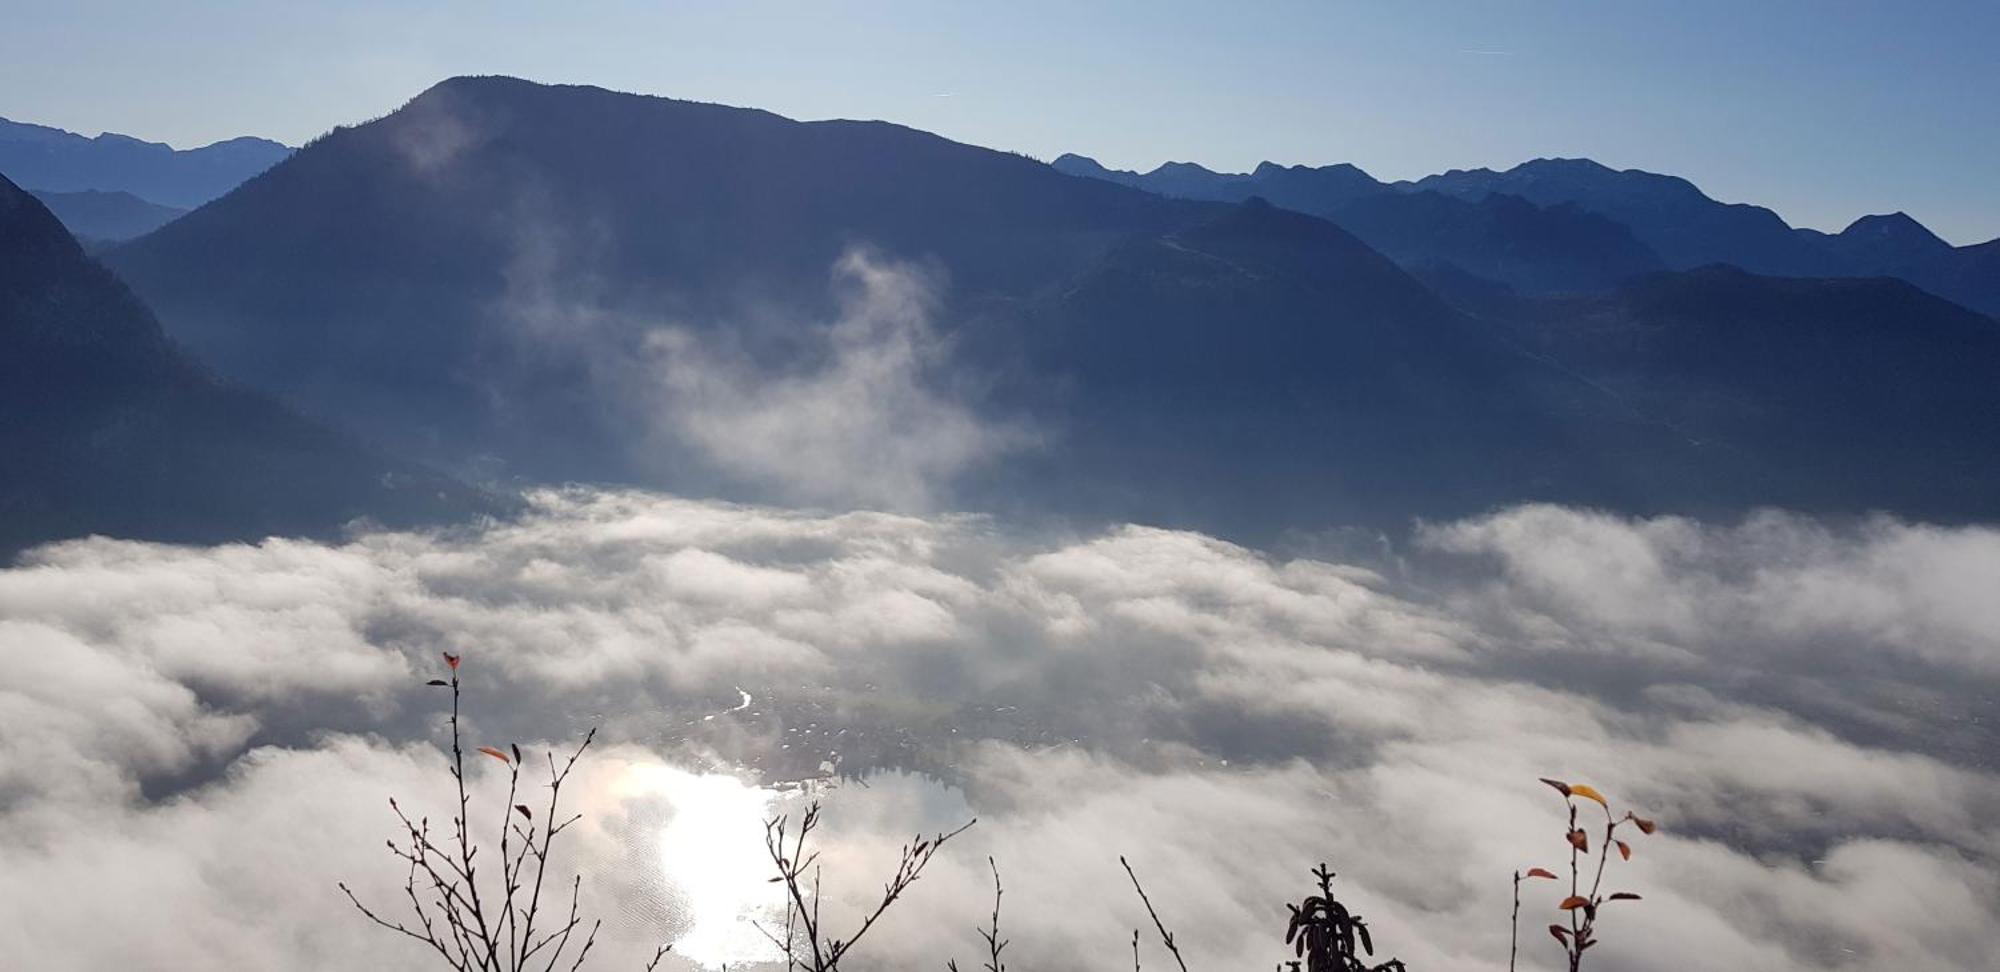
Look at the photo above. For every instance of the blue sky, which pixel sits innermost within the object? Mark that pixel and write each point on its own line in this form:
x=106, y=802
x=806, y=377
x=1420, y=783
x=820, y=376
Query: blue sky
x=1822, y=110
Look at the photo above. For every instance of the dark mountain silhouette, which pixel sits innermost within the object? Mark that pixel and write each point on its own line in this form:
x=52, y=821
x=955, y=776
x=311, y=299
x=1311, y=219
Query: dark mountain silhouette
x=452, y=278
x=1266, y=366
x=1685, y=226
x=1897, y=246
x=1528, y=247
x=40, y=157
x=107, y=428
x=1688, y=229
x=1827, y=394
x=427, y=277
x=1891, y=243
x=96, y=217
x=1308, y=189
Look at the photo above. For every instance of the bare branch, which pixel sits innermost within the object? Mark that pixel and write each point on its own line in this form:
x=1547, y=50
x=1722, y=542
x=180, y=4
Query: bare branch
x=1166, y=936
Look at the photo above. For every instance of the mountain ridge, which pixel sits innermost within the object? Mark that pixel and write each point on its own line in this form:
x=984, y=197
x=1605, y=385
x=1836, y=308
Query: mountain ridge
x=110, y=429
x=485, y=275
x=1666, y=214
x=42, y=157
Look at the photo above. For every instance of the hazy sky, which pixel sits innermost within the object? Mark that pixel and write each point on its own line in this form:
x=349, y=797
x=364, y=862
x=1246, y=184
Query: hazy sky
x=1822, y=109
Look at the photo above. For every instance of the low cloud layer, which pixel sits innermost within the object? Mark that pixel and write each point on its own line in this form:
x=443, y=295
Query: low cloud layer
x=200, y=741
x=863, y=424
x=861, y=410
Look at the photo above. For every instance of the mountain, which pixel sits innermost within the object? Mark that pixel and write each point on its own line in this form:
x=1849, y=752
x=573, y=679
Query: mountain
x=1895, y=245
x=1505, y=239
x=483, y=275
x=44, y=158
x=453, y=278
x=1679, y=221
x=108, y=428
x=99, y=217
x=1825, y=391
x=1308, y=189
x=1689, y=229
x=450, y=278
x=1266, y=365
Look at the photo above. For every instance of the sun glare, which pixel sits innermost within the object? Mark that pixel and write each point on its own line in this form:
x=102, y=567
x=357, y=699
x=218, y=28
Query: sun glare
x=712, y=859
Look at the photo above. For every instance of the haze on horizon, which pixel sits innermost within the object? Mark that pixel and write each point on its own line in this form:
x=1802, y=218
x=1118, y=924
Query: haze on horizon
x=1824, y=112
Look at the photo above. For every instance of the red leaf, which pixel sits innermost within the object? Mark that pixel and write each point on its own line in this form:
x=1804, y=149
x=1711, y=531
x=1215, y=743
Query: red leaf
x=1624, y=849
x=1645, y=826
x=1541, y=872
x=1573, y=902
x=1561, y=787
x=1579, y=840
x=1561, y=934
x=452, y=660
x=496, y=754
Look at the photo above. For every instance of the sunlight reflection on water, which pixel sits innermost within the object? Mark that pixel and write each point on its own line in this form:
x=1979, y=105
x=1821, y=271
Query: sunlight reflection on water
x=709, y=874
x=712, y=862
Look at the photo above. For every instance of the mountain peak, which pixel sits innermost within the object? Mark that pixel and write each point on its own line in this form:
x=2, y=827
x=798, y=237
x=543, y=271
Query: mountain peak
x=1897, y=227
x=1566, y=165
x=1183, y=168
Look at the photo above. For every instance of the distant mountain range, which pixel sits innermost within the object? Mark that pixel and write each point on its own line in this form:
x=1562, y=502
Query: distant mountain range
x=96, y=217
x=453, y=279
x=42, y=158
x=1670, y=222
x=107, y=427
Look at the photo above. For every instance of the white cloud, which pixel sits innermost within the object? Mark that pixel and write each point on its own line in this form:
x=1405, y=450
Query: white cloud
x=865, y=424
x=200, y=741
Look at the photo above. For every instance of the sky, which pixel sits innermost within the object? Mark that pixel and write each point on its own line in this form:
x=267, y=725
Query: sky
x=1824, y=110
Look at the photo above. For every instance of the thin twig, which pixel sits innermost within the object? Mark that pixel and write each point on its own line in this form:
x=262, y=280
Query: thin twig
x=1165, y=936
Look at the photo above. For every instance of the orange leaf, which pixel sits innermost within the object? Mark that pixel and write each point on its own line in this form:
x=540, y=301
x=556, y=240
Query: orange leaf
x=1561, y=787
x=1540, y=872
x=1624, y=850
x=1588, y=793
x=1573, y=902
x=496, y=754
x=452, y=660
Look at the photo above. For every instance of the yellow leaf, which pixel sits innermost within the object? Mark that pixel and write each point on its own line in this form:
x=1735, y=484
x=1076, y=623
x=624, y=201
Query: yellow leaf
x=1588, y=793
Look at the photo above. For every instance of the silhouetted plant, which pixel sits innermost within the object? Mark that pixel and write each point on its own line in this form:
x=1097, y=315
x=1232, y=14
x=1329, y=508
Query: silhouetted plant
x=1328, y=936
x=994, y=943
x=1166, y=937
x=819, y=952
x=1581, y=907
x=471, y=930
